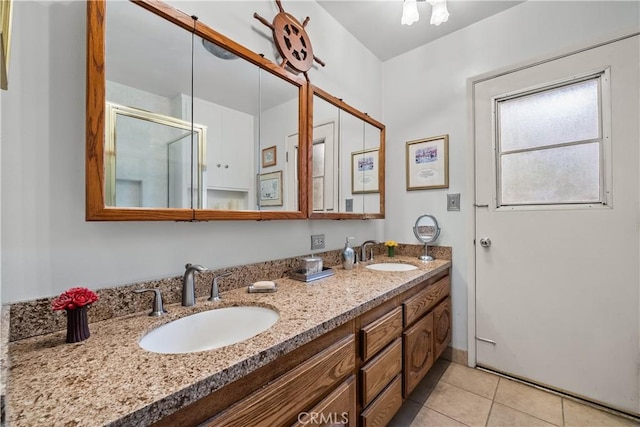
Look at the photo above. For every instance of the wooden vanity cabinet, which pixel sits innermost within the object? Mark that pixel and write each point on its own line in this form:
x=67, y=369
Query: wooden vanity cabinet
x=399, y=342
x=355, y=375
x=282, y=401
x=280, y=392
x=380, y=373
x=427, y=317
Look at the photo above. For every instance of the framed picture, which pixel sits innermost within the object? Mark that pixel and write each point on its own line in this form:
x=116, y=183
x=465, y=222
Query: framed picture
x=428, y=163
x=269, y=157
x=365, y=165
x=270, y=186
x=5, y=40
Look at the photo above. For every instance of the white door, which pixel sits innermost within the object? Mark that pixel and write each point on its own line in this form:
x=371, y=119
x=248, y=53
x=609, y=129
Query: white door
x=558, y=212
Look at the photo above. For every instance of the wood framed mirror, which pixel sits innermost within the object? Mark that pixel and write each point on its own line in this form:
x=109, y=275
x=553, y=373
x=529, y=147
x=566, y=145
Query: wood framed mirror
x=346, y=174
x=200, y=110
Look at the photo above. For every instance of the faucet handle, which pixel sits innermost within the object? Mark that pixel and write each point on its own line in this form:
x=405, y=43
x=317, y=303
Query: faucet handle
x=215, y=293
x=158, y=308
x=197, y=267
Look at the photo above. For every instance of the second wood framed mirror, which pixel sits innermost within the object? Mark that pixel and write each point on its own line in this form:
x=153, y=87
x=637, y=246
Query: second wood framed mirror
x=346, y=172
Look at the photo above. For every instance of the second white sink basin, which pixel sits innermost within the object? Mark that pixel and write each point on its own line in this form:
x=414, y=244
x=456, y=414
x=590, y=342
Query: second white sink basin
x=392, y=266
x=208, y=330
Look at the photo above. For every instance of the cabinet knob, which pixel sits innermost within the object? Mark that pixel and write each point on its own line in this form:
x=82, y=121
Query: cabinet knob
x=218, y=165
x=226, y=166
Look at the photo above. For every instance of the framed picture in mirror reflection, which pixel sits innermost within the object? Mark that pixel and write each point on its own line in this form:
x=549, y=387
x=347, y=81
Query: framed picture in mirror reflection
x=270, y=185
x=269, y=157
x=365, y=165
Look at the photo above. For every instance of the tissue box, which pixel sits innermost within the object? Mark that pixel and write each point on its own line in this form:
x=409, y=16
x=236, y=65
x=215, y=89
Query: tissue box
x=311, y=265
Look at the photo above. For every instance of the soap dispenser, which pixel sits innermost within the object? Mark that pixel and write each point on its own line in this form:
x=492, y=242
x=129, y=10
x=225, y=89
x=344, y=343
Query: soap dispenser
x=348, y=255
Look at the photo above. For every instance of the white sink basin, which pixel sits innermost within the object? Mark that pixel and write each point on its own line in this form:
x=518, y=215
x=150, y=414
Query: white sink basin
x=208, y=330
x=392, y=266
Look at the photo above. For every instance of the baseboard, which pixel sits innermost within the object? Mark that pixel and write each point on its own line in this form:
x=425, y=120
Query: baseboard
x=455, y=355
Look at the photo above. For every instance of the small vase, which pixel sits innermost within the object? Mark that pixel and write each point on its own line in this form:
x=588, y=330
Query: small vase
x=77, y=325
x=391, y=251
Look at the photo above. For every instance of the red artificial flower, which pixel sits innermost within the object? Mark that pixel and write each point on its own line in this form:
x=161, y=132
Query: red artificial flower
x=74, y=298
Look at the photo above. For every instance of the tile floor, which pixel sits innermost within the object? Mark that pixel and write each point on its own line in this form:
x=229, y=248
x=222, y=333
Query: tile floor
x=455, y=395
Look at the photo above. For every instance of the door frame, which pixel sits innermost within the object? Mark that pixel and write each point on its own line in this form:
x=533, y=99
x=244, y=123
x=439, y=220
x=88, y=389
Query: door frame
x=469, y=249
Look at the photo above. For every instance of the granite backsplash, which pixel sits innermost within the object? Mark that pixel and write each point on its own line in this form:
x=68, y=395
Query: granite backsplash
x=35, y=317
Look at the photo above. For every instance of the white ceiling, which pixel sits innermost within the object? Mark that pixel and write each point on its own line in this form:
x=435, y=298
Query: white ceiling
x=376, y=23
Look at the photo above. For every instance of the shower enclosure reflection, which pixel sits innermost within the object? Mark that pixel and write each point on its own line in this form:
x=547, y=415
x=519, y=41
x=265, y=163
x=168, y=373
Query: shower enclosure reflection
x=152, y=160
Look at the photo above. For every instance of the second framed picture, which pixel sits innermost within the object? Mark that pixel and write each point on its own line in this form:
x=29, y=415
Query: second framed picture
x=428, y=163
x=364, y=171
x=269, y=157
x=270, y=186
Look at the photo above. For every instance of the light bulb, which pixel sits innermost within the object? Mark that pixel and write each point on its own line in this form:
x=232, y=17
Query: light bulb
x=409, y=12
x=439, y=13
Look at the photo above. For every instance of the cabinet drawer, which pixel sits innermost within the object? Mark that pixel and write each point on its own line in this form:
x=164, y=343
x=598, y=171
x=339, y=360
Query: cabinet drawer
x=380, y=412
x=280, y=402
x=418, y=352
x=416, y=306
x=339, y=408
x=380, y=371
x=442, y=326
x=376, y=335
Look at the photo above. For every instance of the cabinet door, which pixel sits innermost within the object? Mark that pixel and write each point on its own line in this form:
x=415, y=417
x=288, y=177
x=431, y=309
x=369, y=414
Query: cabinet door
x=237, y=149
x=339, y=408
x=213, y=120
x=442, y=326
x=418, y=352
x=281, y=401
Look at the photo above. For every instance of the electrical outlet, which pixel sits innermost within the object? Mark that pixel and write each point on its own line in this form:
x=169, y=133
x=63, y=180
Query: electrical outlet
x=317, y=241
x=453, y=202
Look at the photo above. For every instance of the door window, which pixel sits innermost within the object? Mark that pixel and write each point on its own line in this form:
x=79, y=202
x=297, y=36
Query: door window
x=551, y=144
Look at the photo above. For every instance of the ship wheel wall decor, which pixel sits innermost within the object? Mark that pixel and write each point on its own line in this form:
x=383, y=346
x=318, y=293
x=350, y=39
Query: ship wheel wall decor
x=292, y=41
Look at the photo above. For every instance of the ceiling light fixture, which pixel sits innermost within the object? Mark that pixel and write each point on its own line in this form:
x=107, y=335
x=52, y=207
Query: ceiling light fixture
x=409, y=12
x=218, y=51
x=439, y=12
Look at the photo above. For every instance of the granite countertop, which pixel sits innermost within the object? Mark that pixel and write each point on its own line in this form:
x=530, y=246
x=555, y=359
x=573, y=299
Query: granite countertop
x=109, y=379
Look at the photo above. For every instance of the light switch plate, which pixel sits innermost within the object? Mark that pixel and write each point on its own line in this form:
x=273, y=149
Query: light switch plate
x=348, y=205
x=453, y=202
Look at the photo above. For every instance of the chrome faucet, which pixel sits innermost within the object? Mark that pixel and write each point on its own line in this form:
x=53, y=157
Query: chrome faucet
x=363, y=250
x=188, y=284
x=215, y=293
x=158, y=307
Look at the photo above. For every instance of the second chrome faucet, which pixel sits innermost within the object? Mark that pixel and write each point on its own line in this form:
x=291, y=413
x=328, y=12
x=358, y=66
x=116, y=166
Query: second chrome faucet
x=188, y=284
x=363, y=250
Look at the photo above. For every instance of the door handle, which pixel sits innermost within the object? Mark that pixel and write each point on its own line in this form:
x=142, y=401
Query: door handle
x=485, y=242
